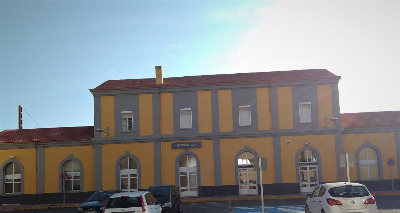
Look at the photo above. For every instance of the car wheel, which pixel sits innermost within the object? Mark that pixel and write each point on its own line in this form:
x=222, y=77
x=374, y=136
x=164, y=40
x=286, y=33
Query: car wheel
x=306, y=209
x=322, y=211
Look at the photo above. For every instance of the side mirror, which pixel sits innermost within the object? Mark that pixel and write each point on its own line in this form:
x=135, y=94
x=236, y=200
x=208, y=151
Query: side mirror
x=309, y=195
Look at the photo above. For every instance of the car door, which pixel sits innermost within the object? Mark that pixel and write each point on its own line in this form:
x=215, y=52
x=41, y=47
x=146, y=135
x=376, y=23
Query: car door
x=312, y=200
x=176, y=199
x=152, y=205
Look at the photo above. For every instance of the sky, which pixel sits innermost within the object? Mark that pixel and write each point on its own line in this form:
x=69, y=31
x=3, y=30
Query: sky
x=53, y=52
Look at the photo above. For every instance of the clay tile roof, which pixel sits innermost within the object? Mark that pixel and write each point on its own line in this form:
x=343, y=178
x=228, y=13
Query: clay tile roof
x=371, y=119
x=238, y=78
x=61, y=134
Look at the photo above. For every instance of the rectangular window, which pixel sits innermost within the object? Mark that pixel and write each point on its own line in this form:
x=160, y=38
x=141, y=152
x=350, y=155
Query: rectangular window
x=127, y=121
x=245, y=115
x=186, y=118
x=305, y=112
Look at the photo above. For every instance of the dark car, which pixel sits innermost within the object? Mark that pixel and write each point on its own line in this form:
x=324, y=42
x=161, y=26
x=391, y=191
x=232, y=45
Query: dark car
x=168, y=197
x=96, y=202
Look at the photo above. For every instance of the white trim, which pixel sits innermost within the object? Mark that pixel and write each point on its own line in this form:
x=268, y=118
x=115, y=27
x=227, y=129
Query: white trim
x=122, y=112
x=306, y=116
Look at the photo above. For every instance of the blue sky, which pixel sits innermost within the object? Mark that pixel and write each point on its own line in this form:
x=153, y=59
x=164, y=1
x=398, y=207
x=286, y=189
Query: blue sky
x=53, y=52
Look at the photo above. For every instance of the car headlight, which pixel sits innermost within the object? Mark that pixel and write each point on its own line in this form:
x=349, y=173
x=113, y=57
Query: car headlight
x=80, y=209
x=168, y=204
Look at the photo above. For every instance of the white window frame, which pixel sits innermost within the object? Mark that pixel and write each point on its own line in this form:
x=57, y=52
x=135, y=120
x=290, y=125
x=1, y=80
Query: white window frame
x=125, y=121
x=13, y=179
x=242, y=110
x=185, y=121
x=305, y=116
x=73, y=177
x=369, y=164
x=129, y=175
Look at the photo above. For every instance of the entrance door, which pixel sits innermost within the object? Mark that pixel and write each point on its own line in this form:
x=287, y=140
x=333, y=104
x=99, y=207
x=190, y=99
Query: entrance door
x=308, y=169
x=188, y=176
x=308, y=178
x=247, y=174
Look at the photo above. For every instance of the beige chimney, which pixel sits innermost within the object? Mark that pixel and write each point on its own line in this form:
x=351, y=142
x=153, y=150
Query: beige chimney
x=159, y=78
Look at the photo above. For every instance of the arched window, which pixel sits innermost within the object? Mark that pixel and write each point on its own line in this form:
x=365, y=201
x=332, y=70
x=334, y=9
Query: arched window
x=307, y=156
x=247, y=173
x=368, y=160
x=12, y=178
x=73, y=182
x=128, y=174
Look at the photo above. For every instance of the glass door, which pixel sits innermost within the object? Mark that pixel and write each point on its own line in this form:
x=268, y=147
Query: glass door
x=188, y=176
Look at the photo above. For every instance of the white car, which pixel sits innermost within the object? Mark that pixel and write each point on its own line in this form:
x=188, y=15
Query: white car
x=132, y=202
x=340, y=197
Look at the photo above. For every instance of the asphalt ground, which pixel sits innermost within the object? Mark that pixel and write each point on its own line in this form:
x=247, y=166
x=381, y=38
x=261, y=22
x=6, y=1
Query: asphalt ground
x=217, y=202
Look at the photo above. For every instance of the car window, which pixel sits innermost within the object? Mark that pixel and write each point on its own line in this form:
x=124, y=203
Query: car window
x=315, y=192
x=150, y=200
x=159, y=190
x=124, y=202
x=322, y=191
x=349, y=191
x=100, y=196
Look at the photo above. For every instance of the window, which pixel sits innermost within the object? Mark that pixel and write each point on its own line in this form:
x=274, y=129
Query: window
x=12, y=178
x=244, y=115
x=186, y=118
x=127, y=121
x=368, y=164
x=128, y=174
x=305, y=112
x=73, y=182
x=307, y=156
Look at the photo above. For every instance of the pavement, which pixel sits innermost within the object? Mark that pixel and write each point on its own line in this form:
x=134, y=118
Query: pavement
x=19, y=207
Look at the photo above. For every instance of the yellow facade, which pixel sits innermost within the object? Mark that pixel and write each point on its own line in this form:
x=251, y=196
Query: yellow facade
x=27, y=157
x=205, y=155
x=325, y=144
x=384, y=141
x=146, y=114
x=56, y=155
x=325, y=105
x=107, y=115
x=205, y=111
x=167, y=113
x=285, y=107
x=263, y=109
x=231, y=147
x=112, y=152
x=225, y=110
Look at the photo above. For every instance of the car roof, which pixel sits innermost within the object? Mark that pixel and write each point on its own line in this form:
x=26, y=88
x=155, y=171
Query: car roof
x=129, y=194
x=338, y=184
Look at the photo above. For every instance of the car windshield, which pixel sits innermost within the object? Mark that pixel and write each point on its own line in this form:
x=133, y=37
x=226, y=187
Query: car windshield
x=124, y=202
x=100, y=196
x=349, y=191
x=160, y=190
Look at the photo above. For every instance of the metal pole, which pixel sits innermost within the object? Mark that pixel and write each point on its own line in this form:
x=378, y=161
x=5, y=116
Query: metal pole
x=261, y=186
x=348, y=167
x=63, y=182
x=391, y=175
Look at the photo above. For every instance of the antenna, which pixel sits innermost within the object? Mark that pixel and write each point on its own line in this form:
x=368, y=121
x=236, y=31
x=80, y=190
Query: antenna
x=19, y=117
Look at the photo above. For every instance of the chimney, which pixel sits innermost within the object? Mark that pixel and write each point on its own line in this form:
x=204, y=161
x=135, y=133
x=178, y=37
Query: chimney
x=19, y=117
x=159, y=77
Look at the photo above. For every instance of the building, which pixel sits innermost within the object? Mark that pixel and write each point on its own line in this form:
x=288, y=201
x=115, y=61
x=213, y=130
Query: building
x=207, y=135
